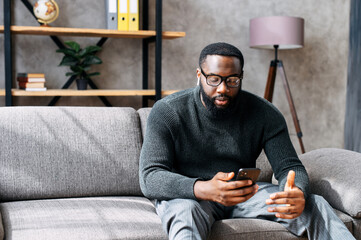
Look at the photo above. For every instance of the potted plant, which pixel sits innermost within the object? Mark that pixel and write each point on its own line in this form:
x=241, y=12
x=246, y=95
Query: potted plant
x=79, y=60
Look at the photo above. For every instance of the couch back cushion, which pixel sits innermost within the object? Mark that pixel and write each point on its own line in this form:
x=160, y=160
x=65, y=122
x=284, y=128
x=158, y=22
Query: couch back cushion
x=54, y=152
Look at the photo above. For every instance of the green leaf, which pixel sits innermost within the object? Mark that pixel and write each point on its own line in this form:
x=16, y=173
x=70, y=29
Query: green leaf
x=92, y=59
x=93, y=49
x=73, y=45
x=68, y=61
x=90, y=50
x=71, y=74
x=67, y=51
x=93, y=74
x=77, y=68
x=82, y=53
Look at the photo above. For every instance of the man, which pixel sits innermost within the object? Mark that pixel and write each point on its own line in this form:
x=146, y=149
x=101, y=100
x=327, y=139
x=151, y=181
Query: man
x=197, y=139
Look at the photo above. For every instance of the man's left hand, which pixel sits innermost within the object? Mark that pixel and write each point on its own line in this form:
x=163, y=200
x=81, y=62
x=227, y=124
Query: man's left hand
x=292, y=199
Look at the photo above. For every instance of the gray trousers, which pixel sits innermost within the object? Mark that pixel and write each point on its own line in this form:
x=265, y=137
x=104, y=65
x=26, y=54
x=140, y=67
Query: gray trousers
x=189, y=219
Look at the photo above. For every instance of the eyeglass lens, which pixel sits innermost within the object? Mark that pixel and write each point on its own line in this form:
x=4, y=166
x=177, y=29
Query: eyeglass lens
x=216, y=80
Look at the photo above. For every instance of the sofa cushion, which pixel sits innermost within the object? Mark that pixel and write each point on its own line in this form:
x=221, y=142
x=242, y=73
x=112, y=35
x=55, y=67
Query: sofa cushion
x=55, y=152
x=266, y=169
x=356, y=228
x=82, y=218
x=1, y=227
x=238, y=229
x=335, y=175
x=143, y=115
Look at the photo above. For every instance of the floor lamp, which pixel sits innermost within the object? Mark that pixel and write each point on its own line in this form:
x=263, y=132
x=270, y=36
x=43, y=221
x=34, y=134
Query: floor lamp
x=278, y=32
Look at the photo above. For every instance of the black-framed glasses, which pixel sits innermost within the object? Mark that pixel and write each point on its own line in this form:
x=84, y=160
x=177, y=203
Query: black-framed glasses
x=215, y=80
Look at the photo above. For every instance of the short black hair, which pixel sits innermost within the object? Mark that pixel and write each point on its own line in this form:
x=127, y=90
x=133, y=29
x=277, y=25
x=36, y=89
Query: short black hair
x=223, y=49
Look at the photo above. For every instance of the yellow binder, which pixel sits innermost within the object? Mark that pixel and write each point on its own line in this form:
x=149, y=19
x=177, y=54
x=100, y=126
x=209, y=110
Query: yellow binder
x=133, y=15
x=123, y=16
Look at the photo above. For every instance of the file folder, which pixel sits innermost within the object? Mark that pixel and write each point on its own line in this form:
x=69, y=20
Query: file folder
x=112, y=14
x=123, y=16
x=133, y=15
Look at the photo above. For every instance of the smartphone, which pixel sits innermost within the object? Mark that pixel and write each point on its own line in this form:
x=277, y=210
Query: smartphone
x=248, y=174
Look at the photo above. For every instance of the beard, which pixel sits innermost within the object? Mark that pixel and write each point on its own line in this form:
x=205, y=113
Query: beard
x=216, y=111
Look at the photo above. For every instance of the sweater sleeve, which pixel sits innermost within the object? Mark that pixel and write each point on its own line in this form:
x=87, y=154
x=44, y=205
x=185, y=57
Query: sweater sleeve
x=157, y=181
x=281, y=153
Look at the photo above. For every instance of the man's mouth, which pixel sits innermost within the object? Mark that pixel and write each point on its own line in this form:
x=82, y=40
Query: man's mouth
x=221, y=101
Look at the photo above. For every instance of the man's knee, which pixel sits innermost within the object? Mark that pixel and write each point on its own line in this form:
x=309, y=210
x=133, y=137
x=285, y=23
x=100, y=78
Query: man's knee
x=183, y=210
x=185, y=217
x=184, y=206
x=317, y=202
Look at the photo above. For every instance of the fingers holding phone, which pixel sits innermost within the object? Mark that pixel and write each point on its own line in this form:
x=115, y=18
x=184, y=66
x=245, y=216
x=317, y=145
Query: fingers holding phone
x=224, y=191
x=249, y=175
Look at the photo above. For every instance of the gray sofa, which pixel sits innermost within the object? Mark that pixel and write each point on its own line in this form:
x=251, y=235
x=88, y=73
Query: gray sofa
x=72, y=173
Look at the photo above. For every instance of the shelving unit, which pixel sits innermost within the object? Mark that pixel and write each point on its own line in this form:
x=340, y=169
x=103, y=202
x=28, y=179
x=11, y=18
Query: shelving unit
x=147, y=36
x=93, y=92
x=89, y=32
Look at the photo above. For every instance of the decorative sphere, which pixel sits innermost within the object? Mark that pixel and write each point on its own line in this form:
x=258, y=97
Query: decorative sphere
x=46, y=11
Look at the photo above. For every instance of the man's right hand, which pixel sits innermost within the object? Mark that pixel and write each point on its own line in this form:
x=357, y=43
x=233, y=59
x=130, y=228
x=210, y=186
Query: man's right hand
x=220, y=189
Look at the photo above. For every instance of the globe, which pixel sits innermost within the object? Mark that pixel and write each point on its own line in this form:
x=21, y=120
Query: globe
x=46, y=11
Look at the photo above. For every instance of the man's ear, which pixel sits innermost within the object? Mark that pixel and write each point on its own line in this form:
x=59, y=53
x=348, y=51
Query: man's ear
x=198, y=76
x=198, y=73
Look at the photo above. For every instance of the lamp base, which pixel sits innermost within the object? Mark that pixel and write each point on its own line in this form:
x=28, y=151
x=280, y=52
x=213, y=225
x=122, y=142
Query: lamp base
x=269, y=94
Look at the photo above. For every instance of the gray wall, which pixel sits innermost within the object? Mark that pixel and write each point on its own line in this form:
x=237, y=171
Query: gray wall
x=317, y=73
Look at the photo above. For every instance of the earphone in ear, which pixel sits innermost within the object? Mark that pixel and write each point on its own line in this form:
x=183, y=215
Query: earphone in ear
x=199, y=79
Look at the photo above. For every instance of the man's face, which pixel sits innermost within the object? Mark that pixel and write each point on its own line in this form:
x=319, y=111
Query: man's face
x=221, y=96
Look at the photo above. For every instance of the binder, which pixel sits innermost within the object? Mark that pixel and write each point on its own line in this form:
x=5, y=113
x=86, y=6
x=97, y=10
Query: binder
x=133, y=15
x=112, y=14
x=123, y=16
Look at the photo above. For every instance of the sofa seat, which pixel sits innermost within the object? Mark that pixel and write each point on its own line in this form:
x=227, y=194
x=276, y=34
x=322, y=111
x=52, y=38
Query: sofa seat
x=117, y=218
x=238, y=229
x=82, y=218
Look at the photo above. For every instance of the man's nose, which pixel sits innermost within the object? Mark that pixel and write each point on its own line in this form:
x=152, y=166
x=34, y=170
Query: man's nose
x=222, y=88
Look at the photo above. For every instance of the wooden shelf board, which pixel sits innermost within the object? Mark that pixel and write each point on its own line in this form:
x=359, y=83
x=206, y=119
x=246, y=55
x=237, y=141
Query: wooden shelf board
x=89, y=32
x=92, y=92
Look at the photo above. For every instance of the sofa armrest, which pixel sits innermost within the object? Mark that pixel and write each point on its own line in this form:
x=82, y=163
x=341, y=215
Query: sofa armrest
x=335, y=174
x=2, y=233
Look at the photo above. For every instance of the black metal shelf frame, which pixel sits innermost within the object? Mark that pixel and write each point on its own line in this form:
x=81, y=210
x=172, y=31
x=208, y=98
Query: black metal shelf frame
x=145, y=56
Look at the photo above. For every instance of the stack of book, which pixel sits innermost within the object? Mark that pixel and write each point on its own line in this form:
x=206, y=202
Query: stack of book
x=31, y=81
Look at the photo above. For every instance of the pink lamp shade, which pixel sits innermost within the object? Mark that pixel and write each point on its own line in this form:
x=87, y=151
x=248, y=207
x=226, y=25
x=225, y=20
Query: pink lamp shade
x=287, y=32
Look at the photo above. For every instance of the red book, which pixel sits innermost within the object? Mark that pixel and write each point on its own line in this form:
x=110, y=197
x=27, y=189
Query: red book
x=31, y=84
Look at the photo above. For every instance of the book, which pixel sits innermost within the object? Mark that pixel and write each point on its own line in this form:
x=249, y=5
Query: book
x=31, y=84
x=32, y=75
x=35, y=89
x=30, y=79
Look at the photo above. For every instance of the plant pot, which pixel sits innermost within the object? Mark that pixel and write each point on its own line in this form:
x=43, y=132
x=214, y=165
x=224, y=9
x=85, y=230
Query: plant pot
x=82, y=83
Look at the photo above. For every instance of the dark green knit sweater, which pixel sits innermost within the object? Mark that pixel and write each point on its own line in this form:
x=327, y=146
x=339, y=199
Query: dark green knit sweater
x=184, y=142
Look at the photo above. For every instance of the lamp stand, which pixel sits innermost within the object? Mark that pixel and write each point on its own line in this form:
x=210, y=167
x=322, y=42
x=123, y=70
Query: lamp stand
x=269, y=92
